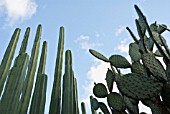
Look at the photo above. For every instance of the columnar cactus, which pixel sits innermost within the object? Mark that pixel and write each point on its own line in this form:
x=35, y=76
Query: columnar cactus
x=15, y=78
x=56, y=91
x=17, y=89
x=83, y=108
x=39, y=95
x=148, y=80
x=67, y=98
x=28, y=83
x=7, y=59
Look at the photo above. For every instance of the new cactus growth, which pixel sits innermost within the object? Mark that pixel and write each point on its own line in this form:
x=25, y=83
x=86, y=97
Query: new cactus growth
x=148, y=79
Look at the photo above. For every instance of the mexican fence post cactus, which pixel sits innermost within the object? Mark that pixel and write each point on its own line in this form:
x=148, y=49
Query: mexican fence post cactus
x=56, y=91
x=39, y=95
x=7, y=59
x=28, y=83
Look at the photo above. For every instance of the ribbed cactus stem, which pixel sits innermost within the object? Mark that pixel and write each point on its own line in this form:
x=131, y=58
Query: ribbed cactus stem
x=67, y=99
x=56, y=91
x=20, y=82
x=25, y=41
x=83, y=108
x=75, y=97
x=28, y=83
x=41, y=105
x=7, y=59
x=11, y=89
x=21, y=78
x=41, y=70
x=39, y=97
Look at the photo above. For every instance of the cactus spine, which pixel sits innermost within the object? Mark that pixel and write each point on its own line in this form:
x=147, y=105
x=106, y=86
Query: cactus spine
x=56, y=91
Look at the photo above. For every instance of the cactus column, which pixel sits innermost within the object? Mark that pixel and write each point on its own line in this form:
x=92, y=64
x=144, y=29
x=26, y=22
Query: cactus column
x=7, y=59
x=39, y=95
x=28, y=83
x=67, y=99
x=15, y=79
x=56, y=91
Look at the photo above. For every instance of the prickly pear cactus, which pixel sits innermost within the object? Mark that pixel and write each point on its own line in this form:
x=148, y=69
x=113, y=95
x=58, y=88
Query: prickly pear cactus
x=149, y=78
x=134, y=52
x=109, y=80
x=94, y=104
x=137, y=86
x=115, y=101
x=119, y=61
x=138, y=68
x=154, y=66
x=100, y=90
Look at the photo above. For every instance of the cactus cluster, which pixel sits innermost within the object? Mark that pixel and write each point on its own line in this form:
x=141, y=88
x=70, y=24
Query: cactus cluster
x=19, y=93
x=148, y=80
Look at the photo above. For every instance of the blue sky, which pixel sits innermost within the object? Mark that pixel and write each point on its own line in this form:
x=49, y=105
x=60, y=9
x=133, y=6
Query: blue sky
x=95, y=24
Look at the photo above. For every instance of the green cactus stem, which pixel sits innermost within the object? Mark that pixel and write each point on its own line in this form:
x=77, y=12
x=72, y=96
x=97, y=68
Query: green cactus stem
x=25, y=41
x=56, y=91
x=83, y=108
x=16, y=95
x=12, y=89
x=38, y=103
x=35, y=103
x=7, y=59
x=67, y=99
x=28, y=83
x=75, y=97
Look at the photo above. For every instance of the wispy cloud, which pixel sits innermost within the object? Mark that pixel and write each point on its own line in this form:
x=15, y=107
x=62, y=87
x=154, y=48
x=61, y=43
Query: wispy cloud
x=119, y=30
x=17, y=10
x=123, y=47
x=85, y=44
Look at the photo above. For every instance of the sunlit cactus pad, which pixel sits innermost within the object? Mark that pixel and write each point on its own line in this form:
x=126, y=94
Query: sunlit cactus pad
x=137, y=86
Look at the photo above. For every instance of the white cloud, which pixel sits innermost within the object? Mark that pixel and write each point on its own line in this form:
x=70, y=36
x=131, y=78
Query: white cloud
x=16, y=10
x=123, y=47
x=119, y=30
x=96, y=73
x=85, y=44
